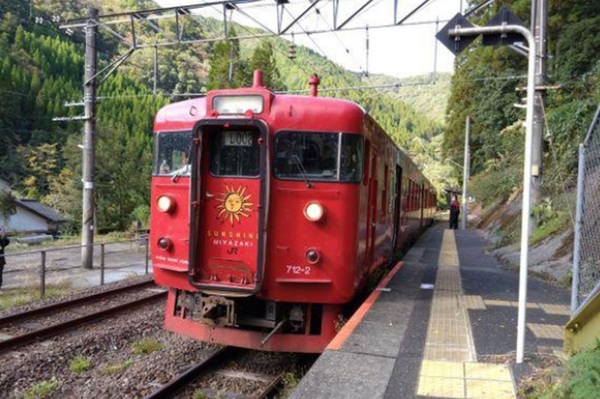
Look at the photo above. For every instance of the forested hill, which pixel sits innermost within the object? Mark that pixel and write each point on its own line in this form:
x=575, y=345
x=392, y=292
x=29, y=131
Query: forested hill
x=489, y=80
x=41, y=69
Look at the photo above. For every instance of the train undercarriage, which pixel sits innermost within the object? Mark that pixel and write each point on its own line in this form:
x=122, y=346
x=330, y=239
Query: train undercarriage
x=252, y=323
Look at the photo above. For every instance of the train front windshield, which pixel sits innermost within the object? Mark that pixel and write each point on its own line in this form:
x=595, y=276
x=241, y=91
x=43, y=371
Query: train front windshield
x=336, y=157
x=172, y=150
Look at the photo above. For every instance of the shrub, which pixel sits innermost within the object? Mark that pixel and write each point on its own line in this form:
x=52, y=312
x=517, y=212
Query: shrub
x=80, y=364
x=146, y=346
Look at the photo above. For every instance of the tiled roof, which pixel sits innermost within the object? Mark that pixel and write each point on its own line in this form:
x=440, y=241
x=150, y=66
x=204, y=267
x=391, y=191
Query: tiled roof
x=42, y=210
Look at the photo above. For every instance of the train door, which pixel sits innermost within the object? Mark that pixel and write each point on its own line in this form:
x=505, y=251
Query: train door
x=229, y=202
x=397, y=205
x=372, y=207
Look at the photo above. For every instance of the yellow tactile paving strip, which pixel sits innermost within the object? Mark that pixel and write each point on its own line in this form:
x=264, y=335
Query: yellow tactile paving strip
x=449, y=369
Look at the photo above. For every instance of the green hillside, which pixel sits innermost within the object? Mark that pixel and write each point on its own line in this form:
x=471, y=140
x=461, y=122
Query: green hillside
x=41, y=69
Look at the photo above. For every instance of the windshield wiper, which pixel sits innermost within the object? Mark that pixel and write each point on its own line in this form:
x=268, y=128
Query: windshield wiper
x=296, y=159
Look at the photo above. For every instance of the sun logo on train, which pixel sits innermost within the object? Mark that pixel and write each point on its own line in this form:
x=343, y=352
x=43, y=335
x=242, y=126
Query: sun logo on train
x=233, y=204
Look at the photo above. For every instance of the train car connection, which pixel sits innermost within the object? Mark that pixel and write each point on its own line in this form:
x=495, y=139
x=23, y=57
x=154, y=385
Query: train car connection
x=269, y=213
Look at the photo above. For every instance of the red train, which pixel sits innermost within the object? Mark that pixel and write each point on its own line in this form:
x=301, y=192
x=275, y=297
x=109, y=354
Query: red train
x=270, y=212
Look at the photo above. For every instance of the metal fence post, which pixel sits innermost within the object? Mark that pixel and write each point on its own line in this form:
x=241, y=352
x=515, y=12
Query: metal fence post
x=43, y=274
x=578, y=225
x=102, y=264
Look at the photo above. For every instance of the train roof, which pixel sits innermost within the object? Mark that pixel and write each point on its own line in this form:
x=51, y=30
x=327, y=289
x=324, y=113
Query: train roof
x=310, y=112
x=181, y=115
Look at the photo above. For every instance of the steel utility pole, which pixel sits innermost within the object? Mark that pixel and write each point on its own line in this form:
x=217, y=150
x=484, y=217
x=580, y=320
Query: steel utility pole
x=539, y=22
x=466, y=172
x=89, y=132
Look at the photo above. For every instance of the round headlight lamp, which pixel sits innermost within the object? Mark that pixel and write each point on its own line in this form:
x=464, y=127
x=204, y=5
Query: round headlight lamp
x=165, y=203
x=313, y=256
x=165, y=243
x=314, y=211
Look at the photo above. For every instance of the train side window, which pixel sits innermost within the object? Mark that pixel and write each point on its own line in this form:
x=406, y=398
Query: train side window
x=366, y=162
x=384, y=190
x=351, y=158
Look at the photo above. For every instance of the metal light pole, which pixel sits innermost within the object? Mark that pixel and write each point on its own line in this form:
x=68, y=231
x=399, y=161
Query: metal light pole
x=475, y=31
x=466, y=172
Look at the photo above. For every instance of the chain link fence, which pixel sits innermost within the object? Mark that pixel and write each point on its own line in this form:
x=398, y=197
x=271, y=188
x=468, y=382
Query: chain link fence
x=61, y=267
x=586, y=252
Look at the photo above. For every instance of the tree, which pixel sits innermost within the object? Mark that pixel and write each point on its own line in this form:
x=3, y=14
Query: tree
x=7, y=205
x=263, y=59
x=227, y=69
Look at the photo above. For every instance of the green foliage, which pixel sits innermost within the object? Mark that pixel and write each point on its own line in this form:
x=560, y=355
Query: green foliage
x=199, y=394
x=42, y=389
x=141, y=214
x=583, y=375
x=552, y=223
x=263, y=59
x=227, y=68
x=7, y=204
x=80, y=364
x=116, y=368
x=146, y=346
x=20, y=296
x=479, y=89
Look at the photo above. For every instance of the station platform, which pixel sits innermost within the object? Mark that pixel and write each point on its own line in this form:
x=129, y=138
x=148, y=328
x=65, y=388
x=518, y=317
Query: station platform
x=442, y=324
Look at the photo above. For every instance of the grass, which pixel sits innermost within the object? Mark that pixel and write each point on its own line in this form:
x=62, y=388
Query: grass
x=41, y=390
x=117, y=367
x=551, y=227
x=80, y=364
x=10, y=298
x=576, y=378
x=146, y=346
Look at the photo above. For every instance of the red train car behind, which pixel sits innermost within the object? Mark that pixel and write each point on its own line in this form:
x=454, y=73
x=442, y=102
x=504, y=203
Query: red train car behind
x=269, y=213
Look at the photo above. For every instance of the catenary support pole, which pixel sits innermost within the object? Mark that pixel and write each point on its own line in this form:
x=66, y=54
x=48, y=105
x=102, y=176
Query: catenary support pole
x=466, y=173
x=526, y=211
x=539, y=22
x=89, y=131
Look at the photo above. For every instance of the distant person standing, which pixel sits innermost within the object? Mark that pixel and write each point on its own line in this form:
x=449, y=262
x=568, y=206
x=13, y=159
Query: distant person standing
x=4, y=241
x=454, y=212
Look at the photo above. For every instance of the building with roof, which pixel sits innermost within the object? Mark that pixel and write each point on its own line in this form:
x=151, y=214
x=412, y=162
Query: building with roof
x=33, y=217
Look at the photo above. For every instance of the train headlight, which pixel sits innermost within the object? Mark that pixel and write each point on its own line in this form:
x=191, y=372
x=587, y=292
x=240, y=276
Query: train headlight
x=165, y=243
x=165, y=203
x=313, y=256
x=314, y=211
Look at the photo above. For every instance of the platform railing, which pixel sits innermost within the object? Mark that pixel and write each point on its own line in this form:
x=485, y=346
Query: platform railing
x=60, y=268
x=586, y=248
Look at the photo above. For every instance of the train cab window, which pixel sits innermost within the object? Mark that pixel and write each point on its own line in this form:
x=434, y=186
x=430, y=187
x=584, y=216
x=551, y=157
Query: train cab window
x=235, y=153
x=318, y=156
x=351, y=158
x=172, y=151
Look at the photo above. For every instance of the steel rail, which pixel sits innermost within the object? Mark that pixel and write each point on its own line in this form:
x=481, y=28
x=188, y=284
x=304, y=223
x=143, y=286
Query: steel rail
x=70, y=303
x=269, y=389
x=174, y=386
x=56, y=329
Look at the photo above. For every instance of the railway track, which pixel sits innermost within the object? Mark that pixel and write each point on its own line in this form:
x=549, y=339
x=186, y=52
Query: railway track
x=190, y=382
x=37, y=324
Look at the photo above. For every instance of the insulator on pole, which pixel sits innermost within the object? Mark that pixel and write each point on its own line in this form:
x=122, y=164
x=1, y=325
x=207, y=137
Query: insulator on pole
x=292, y=49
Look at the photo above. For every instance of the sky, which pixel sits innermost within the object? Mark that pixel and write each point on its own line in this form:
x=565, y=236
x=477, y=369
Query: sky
x=399, y=51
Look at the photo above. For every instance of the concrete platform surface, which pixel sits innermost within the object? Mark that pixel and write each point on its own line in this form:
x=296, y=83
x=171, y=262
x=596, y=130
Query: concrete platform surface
x=443, y=324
